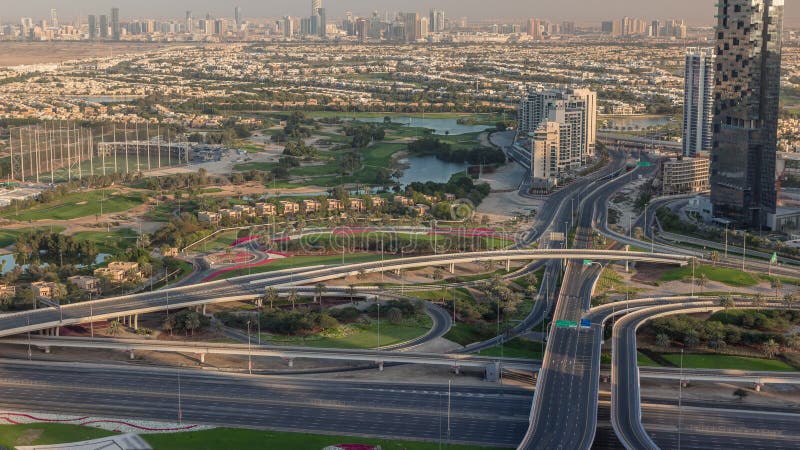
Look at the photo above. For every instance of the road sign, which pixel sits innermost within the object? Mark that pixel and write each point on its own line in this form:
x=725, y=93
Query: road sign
x=588, y=262
x=644, y=164
x=586, y=323
x=557, y=237
x=566, y=324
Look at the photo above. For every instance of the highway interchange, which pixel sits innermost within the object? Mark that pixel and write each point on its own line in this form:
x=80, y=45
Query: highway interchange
x=564, y=412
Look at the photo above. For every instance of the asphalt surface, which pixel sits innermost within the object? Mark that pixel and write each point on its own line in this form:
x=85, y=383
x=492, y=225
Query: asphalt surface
x=489, y=416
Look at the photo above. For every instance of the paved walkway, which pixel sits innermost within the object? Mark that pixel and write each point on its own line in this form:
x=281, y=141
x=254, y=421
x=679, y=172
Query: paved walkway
x=120, y=442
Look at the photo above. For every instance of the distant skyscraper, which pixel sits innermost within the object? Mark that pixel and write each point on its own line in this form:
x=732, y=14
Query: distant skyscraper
x=436, y=21
x=698, y=101
x=288, y=27
x=412, y=26
x=116, y=31
x=746, y=94
x=54, y=18
x=92, y=27
x=322, y=22
x=189, y=22
x=104, y=26
x=362, y=29
x=315, y=6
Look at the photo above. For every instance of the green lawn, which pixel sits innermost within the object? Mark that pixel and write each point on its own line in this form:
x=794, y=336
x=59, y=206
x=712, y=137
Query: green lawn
x=730, y=277
x=8, y=237
x=76, y=205
x=362, y=335
x=644, y=360
x=305, y=261
x=110, y=242
x=516, y=348
x=46, y=434
x=226, y=438
x=710, y=361
x=465, y=334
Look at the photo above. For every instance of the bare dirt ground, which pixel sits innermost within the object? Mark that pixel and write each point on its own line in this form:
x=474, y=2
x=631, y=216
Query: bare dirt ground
x=25, y=53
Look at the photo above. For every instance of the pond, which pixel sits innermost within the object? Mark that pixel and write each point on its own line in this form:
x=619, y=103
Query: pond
x=439, y=126
x=7, y=262
x=428, y=168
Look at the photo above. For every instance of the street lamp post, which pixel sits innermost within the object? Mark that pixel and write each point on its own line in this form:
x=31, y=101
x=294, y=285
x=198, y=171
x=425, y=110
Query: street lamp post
x=680, y=402
x=249, y=353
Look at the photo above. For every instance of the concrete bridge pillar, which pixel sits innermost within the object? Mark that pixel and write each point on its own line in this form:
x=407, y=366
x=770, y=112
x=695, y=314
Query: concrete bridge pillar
x=136, y=322
x=204, y=308
x=452, y=268
x=290, y=362
x=397, y=272
x=47, y=349
x=758, y=387
x=131, y=353
x=508, y=265
x=685, y=383
x=57, y=331
x=202, y=358
x=380, y=366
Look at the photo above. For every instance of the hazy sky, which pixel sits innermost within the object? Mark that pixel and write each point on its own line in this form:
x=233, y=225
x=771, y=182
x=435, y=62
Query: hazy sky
x=695, y=11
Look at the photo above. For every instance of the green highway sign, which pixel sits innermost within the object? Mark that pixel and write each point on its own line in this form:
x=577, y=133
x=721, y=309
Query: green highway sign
x=566, y=324
x=588, y=262
x=644, y=164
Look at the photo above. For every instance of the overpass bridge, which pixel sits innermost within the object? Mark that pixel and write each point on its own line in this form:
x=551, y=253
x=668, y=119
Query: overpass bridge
x=248, y=287
x=379, y=357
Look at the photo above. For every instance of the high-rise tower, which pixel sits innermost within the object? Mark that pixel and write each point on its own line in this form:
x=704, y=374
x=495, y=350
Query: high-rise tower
x=698, y=101
x=116, y=31
x=745, y=125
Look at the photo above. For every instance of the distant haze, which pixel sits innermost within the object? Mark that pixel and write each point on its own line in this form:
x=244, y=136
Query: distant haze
x=696, y=12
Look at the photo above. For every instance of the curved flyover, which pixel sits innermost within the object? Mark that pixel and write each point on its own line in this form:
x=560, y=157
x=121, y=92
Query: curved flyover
x=245, y=288
x=626, y=410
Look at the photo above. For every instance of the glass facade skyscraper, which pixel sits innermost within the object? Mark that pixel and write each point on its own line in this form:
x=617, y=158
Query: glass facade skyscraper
x=746, y=94
x=698, y=101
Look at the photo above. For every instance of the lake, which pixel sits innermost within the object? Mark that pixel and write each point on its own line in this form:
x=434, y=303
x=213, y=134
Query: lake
x=428, y=168
x=439, y=126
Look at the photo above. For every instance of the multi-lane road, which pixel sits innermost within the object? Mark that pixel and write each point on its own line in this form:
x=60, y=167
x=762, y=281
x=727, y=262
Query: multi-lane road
x=487, y=415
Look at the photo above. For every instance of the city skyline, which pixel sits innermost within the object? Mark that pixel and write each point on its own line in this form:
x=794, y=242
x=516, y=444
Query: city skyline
x=576, y=10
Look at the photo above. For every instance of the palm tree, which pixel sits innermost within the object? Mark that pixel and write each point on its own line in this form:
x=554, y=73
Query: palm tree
x=714, y=258
x=771, y=348
x=776, y=284
x=113, y=328
x=663, y=340
x=319, y=289
x=759, y=300
x=292, y=297
x=702, y=281
x=726, y=302
x=271, y=295
x=790, y=300
x=351, y=290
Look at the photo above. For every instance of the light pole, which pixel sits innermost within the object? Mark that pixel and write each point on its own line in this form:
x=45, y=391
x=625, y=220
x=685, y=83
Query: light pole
x=91, y=320
x=379, y=321
x=249, y=353
x=180, y=409
x=680, y=403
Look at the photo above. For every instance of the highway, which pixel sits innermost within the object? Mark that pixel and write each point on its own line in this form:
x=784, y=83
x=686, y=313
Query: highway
x=486, y=415
x=626, y=411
